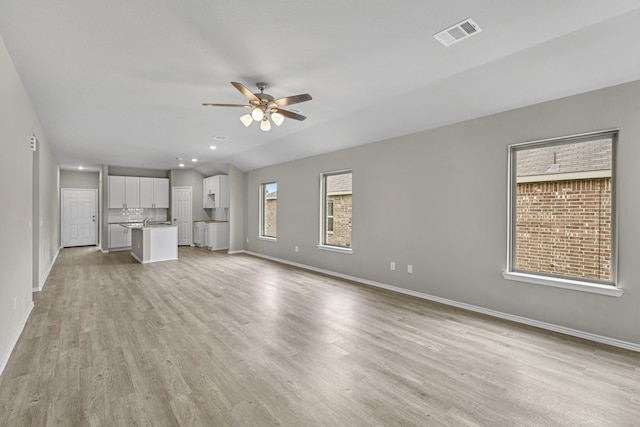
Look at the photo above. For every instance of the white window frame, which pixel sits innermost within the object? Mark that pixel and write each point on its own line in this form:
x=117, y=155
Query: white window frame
x=261, y=210
x=323, y=219
x=610, y=288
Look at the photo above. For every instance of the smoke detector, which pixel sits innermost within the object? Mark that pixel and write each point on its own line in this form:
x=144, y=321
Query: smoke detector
x=458, y=32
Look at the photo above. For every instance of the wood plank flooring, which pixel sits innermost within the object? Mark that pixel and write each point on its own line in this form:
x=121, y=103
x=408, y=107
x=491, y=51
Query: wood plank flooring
x=220, y=340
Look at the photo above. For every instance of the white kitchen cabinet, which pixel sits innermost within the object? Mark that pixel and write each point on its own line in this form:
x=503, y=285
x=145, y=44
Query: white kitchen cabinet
x=217, y=235
x=154, y=193
x=207, y=193
x=119, y=237
x=132, y=191
x=205, y=241
x=198, y=233
x=146, y=192
x=116, y=191
x=161, y=193
x=124, y=192
x=215, y=192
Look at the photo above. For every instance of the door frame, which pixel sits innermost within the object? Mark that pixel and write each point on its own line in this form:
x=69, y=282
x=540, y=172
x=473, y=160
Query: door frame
x=97, y=211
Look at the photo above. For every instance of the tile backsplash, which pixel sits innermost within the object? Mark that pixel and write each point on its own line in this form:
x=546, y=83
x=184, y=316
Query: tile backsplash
x=137, y=214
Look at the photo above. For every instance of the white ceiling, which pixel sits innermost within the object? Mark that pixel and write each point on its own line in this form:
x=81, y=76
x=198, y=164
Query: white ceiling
x=122, y=82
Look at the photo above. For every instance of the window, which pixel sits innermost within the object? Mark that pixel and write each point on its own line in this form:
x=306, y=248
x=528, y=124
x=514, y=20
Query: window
x=561, y=210
x=336, y=210
x=268, y=209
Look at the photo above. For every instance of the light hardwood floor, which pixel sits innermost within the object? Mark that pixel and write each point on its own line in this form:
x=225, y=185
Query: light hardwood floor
x=219, y=340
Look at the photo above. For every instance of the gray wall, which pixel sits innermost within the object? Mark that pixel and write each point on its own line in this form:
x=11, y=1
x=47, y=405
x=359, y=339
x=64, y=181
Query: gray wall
x=48, y=196
x=78, y=179
x=437, y=200
x=104, y=207
x=237, y=209
x=23, y=261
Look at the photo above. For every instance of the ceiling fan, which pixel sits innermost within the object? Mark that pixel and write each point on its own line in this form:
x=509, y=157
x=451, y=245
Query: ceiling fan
x=265, y=107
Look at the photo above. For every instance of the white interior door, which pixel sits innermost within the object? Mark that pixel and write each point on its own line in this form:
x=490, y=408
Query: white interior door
x=79, y=221
x=182, y=215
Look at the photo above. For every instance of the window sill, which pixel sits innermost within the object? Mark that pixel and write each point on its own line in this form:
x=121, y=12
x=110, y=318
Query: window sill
x=268, y=239
x=574, y=285
x=336, y=249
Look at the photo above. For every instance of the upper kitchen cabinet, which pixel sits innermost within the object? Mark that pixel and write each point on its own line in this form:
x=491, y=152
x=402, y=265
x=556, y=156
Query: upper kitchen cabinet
x=215, y=192
x=154, y=193
x=207, y=190
x=124, y=192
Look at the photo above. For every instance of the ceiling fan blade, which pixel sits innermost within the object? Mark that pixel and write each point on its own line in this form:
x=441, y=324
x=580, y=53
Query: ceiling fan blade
x=289, y=114
x=288, y=100
x=208, y=104
x=246, y=92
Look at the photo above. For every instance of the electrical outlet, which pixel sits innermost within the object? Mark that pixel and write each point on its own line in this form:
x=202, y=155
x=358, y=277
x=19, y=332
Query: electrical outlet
x=410, y=269
x=296, y=248
x=392, y=266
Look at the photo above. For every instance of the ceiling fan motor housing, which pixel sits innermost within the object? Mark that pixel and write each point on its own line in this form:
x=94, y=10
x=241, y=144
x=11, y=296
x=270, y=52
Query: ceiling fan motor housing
x=264, y=97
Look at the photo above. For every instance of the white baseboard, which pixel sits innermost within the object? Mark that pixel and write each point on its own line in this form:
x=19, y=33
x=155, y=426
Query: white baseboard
x=519, y=319
x=49, y=267
x=14, y=341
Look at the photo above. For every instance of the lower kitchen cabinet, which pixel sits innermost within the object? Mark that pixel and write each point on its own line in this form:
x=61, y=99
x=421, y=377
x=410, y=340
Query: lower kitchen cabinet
x=216, y=235
x=198, y=233
x=119, y=237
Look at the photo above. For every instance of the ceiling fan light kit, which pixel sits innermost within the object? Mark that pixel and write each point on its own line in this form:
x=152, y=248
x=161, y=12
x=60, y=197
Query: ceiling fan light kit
x=277, y=118
x=246, y=120
x=264, y=108
x=257, y=114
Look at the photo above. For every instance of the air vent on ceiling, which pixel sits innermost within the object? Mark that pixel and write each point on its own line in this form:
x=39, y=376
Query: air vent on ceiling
x=457, y=32
x=220, y=138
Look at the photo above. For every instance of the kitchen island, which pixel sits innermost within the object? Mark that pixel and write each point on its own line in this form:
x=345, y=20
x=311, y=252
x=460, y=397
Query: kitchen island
x=153, y=243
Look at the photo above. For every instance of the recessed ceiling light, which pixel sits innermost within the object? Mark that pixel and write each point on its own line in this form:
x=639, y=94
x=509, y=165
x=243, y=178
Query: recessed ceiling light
x=194, y=160
x=212, y=147
x=80, y=167
x=181, y=165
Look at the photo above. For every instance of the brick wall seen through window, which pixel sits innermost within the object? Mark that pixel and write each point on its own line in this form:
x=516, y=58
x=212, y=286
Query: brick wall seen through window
x=563, y=209
x=337, y=211
x=269, y=209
